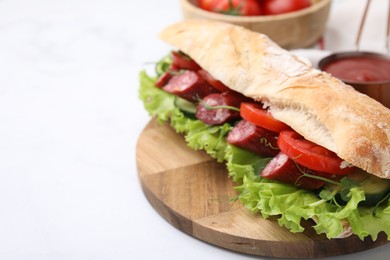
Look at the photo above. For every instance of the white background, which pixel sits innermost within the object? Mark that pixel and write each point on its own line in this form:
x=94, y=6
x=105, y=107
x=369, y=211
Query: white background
x=70, y=118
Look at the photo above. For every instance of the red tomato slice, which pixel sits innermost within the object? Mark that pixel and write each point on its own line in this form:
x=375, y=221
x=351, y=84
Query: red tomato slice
x=254, y=113
x=309, y=154
x=182, y=61
x=218, y=85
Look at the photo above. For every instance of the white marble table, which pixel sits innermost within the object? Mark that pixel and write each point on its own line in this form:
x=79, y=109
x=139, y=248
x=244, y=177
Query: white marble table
x=70, y=118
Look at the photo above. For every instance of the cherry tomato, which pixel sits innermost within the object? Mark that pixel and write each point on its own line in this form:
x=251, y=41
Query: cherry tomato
x=309, y=154
x=254, y=113
x=233, y=7
x=182, y=61
x=272, y=7
x=206, y=4
x=218, y=85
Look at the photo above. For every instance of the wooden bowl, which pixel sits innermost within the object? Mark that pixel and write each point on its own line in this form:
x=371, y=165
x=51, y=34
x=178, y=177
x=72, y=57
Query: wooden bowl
x=293, y=30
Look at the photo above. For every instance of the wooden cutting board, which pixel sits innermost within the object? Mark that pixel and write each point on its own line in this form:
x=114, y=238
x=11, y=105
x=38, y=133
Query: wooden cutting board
x=194, y=193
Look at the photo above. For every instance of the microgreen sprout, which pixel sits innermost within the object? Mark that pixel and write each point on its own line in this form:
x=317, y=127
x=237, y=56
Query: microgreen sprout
x=220, y=107
x=343, y=187
x=267, y=143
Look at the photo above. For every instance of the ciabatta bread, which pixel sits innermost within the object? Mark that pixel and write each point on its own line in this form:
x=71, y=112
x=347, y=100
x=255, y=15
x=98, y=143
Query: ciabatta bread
x=318, y=106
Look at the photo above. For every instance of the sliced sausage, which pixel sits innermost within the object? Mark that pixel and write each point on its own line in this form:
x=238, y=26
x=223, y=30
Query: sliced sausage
x=183, y=61
x=283, y=169
x=218, y=85
x=163, y=79
x=217, y=116
x=189, y=85
x=254, y=138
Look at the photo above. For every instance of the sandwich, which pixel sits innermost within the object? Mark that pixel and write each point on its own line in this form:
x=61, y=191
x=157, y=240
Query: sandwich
x=299, y=143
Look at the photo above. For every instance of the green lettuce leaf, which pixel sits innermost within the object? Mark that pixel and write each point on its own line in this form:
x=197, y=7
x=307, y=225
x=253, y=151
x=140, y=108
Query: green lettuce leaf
x=156, y=101
x=289, y=204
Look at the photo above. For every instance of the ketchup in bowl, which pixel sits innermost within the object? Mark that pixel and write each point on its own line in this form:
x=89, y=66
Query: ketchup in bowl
x=367, y=72
x=365, y=68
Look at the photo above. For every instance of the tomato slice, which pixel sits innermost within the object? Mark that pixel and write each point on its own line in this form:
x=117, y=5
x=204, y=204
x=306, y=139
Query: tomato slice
x=182, y=61
x=218, y=85
x=309, y=154
x=254, y=113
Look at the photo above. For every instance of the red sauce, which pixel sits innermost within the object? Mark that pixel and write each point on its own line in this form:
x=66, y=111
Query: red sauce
x=360, y=69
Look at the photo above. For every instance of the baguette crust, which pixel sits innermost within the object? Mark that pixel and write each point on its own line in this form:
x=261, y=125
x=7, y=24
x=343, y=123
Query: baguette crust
x=318, y=106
